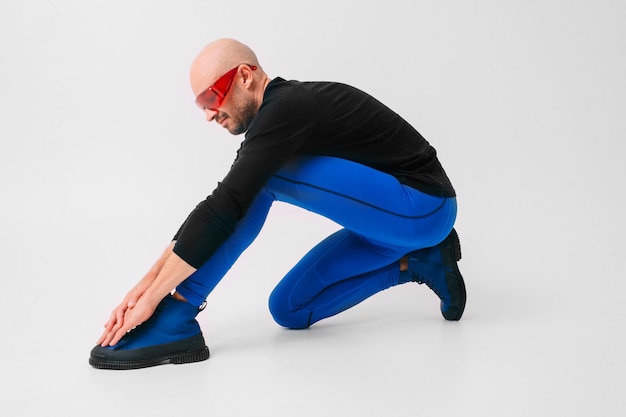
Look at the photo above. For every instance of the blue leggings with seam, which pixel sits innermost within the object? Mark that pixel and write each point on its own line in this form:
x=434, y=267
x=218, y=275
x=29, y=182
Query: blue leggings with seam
x=382, y=221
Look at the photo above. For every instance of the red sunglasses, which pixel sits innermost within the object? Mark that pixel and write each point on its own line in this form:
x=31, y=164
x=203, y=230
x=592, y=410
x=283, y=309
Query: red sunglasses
x=212, y=97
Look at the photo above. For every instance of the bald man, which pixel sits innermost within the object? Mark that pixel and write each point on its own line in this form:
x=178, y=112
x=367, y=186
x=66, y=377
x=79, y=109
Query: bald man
x=326, y=147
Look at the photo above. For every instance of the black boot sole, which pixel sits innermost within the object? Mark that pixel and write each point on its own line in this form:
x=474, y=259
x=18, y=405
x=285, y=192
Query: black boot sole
x=188, y=350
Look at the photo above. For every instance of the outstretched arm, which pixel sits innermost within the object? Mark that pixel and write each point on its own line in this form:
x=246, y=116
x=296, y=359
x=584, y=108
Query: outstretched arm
x=141, y=301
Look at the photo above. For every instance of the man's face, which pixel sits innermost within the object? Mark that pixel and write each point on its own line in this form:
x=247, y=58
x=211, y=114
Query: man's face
x=226, y=100
x=236, y=112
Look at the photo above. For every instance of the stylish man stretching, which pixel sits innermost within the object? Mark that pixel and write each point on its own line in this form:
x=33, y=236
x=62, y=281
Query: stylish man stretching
x=326, y=147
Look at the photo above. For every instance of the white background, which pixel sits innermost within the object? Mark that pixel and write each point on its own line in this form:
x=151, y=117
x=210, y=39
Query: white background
x=103, y=154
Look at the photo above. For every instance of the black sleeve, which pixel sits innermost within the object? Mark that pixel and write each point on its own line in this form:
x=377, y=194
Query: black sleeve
x=283, y=123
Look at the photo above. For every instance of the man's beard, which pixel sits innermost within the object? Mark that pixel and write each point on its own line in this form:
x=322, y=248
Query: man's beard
x=246, y=114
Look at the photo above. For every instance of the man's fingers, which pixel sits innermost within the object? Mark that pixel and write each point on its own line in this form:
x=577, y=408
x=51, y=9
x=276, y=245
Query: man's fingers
x=118, y=335
x=117, y=316
x=110, y=321
x=101, y=339
x=109, y=334
x=123, y=319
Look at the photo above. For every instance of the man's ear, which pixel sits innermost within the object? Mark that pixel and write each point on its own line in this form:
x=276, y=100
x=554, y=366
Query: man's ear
x=247, y=76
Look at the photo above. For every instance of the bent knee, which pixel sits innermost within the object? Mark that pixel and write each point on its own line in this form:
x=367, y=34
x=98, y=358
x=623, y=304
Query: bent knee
x=284, y=315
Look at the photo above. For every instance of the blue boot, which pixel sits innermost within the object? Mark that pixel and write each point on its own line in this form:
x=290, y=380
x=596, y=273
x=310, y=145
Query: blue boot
x=437, y=268
x=171, y=335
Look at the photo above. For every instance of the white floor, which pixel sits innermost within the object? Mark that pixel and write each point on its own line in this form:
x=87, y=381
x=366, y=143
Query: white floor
x=525, y=104
x=538, y=338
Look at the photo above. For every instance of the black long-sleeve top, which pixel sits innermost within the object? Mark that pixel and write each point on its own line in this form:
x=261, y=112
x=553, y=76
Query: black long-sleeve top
x=309, y=118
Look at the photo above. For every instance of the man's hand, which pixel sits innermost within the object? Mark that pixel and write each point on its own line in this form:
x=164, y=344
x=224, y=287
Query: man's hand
x=139, y=304
x=117, y=316
x=125, y=318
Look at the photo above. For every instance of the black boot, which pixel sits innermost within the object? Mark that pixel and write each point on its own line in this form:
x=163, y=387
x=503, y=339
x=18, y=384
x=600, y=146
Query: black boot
x=437, y=267
x=171, y=335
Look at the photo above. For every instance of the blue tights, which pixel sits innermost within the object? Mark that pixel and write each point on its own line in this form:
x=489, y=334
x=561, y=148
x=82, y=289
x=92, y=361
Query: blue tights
x=382, y=221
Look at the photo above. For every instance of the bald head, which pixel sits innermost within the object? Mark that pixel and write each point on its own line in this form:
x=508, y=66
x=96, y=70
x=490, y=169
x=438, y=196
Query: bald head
x=243, y=100
x=217, y=58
